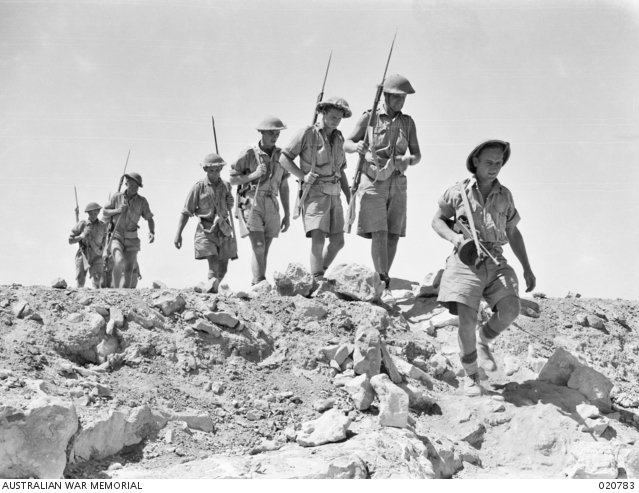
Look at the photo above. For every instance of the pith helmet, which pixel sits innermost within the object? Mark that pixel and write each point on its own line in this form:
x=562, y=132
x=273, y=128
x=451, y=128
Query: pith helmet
x=489, y=143
x=135, y=177
x=92, y=206
x=397, y=84
x=212, y=160
x=335, y=102
x=271, y=123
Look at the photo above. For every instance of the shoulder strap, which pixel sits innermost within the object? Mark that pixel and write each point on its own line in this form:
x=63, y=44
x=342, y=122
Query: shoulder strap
x=471, y=220
x=314, y=148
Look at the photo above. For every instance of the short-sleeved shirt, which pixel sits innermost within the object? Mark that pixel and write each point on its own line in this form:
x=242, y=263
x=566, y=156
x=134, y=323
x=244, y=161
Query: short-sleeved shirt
x=270, y=181
x=330, y=156
x=388, y=136
x=94, y=241
x=208, y=199
x=138, y=207
x=491, y=218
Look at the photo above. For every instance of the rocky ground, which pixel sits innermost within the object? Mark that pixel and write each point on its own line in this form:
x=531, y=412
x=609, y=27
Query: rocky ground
x=308, y=381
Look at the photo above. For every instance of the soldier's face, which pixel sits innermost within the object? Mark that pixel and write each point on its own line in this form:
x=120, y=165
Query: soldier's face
x=269, y=138
x=93, y=215
x=488, y=164
x=332, y=118
x=132, y=185
x=213, y=174
x=395, y=101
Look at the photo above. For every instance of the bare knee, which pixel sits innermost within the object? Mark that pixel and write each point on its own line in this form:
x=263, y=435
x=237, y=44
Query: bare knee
x=337, y=241
x=508, y=309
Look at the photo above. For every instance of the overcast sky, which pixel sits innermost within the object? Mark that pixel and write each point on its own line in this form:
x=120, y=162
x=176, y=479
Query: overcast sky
x=85, y=81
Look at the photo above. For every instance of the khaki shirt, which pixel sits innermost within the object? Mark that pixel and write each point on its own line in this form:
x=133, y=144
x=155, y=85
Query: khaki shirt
x=138, y=207
x=389, y=136
x=269, y=182
x=207, y=200
x=492, y=217
x=94, y=241
x=330, y=157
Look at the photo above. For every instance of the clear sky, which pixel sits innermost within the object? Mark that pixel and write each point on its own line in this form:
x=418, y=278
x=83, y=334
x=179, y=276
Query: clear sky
x=82, y=82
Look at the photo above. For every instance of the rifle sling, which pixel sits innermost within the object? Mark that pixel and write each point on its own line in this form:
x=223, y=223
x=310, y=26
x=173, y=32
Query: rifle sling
x=471, y=221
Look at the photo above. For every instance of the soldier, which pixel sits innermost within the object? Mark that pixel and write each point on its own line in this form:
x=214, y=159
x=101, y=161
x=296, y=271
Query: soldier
x=260, y=179
x=89, y=234
x=494, y=218
x=211, y=201
x=322, y=162
x=382, y=208
x=128, y=206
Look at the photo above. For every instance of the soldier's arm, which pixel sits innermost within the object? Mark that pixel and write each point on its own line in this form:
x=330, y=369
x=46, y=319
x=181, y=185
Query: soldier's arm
x=355, y=141
x=442, y=229
x=184, y=218
x=76, y=233
x=284, y=198
x=240, y=170
x=289, y=165
x=151, y=229
x=413, y=146
x=518, y=246
x=343, y=184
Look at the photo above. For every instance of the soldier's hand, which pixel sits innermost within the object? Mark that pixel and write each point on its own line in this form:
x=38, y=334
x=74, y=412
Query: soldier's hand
x=178, y=241
x=261, y=169
x=286, y=222
x=458, y=240
x=122, y=209
x=531, y=280
x=362, y=147
x=402, y=162
x=310, y=178
x=151, y=237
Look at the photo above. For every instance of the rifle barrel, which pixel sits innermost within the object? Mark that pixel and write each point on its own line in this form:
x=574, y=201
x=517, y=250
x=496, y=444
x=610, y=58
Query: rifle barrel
x=214, y=134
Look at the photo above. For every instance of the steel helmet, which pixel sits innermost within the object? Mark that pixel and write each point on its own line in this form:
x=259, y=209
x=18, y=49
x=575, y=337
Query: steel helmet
x=212, y=160
x=92, y=206
x=335, y=102
x=397, y=84
x=271, y=123
x=135, y=177
x=489, y=143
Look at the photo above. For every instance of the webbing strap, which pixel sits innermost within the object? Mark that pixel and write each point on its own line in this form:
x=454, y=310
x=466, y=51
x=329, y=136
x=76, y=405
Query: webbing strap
x=471, y=221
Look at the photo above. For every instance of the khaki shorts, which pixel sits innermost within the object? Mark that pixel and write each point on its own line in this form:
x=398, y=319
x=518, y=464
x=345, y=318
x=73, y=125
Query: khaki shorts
x=204, y=244
x=382, y=206
x=463, y=284
x=323, y=211
x=264, y=216
x=96, y=267
x=125, y=245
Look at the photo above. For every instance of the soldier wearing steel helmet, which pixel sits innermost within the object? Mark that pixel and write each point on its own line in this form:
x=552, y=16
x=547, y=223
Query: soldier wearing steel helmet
x=211, y=201
x=260, y=179
x=125, y=209
x=382, y=193
x=494, y=218
x=89, y=235
x=320, y=148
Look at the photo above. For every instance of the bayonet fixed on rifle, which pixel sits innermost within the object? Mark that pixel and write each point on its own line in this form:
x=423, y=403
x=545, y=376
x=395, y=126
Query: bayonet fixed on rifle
x=350, y=216
x=77, y=206
x=305, y=187
x=85, y=260
x=214, y=135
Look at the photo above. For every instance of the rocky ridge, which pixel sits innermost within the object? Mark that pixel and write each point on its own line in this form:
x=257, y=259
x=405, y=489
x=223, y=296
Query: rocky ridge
x=300, y=380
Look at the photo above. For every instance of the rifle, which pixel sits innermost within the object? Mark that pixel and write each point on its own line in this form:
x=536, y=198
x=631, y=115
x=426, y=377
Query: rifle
x=304, y=188
x=350, y=215
x=230, y=216
x=468, y=251
x=81, y=246
x=108, y=238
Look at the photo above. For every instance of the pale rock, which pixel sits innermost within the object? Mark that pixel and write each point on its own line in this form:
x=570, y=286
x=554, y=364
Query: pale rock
x=347, y=364
x=261, y=404
x=59, y=283
x=444, y=319
x=34, y=441
x=335, y=365
x=511, y=365
x=428, y=327
x=329, y=427
x=195, y=421
x=439, y=364
x=97, y=323
x=158, y=285
x=586, y=411
x=189, y=316
x=106, y=347
x=295, y=280
x=596, y=425
x=389, y=365
x=592, y=460
x=594, y=385
x=367, y=353
x=21, y=309
x=411, y=371
x=328, y=352
x=356, y=282
x=115, y=431
x=559, y=368
x=417, y=399
x=582, y=319
x=75, y=318
x=361, y=391
x=595, y=322
x=208, y=286
x=262, y=288
x=307, y=309
x=322, y=405
x=170, y=303
x=393, y=402
x=223, y=319
x=102, y=310
x=116, y=316
x=630, y=462
x=207, y=327
x=529, y=308
x=429, y=285
x=110, y=328
x=343, y=352
x=266, y=446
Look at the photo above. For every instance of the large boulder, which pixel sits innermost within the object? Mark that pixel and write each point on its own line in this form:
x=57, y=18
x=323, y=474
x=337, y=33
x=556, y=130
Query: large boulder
x=356, y=282
x=393, y=402
x=367, y=354
x=80, y=340
x=361, y=391
x=170, y=303
x=329, y=427
x=33, y=442
x=294, y=280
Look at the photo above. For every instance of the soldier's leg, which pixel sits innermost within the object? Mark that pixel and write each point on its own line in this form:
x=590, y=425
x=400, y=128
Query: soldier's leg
x=135, y=276
x=217, y=267
x=335, y=244
x=267, y=245
x=317, y=252
x=258, y=260
x=118, y=267
x=80, y=273
x=468, y=352
x=130, y=260
x=379, y=252
x=393, y=240
x=97, y=272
